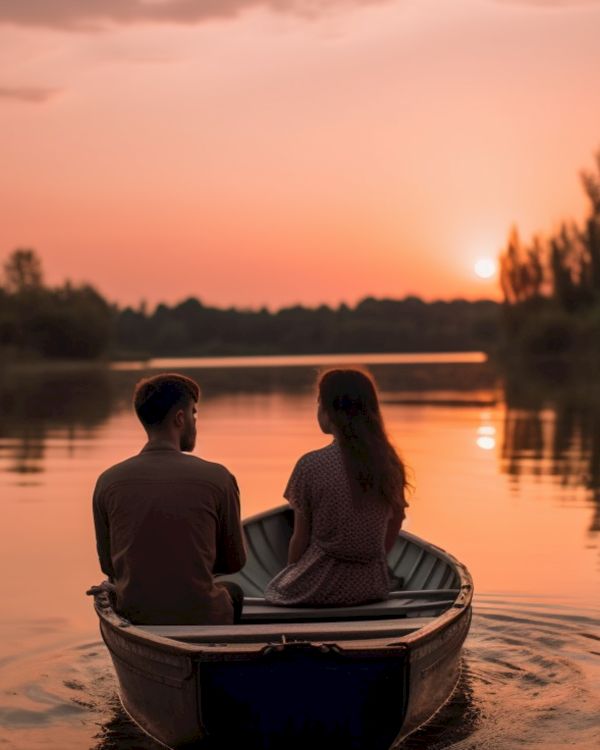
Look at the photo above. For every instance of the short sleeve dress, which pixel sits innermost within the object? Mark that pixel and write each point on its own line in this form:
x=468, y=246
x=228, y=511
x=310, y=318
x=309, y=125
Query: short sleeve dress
x=345, y=562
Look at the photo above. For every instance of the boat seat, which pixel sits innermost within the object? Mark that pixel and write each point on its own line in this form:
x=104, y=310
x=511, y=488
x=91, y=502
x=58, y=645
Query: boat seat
x=257, y=610
x=304, y=631
x=404, y=612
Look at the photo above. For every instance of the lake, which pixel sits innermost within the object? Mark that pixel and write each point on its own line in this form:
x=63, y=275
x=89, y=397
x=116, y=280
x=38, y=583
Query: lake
x=506, y=474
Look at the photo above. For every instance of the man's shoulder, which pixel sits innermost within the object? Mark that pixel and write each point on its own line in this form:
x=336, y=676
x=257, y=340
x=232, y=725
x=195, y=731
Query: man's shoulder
x=175, y=466
x=116, y=471
x=208, y=470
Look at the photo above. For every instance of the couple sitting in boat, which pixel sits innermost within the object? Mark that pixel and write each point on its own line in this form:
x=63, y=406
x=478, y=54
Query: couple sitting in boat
x=168, y=523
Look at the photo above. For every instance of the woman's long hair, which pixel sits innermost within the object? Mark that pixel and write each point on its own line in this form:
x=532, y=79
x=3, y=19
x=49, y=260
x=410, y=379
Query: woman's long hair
x=349, y=399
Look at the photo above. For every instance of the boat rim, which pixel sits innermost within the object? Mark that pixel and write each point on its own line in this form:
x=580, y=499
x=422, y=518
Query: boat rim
x=229, y=635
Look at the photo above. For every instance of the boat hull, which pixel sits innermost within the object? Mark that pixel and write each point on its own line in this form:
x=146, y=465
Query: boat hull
x=370, y=696
x=158, y=687
x=360, y=680
x=302, y=696
x=434, y=666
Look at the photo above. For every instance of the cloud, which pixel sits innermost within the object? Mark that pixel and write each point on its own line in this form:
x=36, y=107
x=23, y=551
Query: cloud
x=29, y=94
x=550, y=4
x=94, y=15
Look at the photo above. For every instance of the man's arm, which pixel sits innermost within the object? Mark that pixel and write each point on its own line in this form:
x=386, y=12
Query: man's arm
x=102, y=533
x=231, y=552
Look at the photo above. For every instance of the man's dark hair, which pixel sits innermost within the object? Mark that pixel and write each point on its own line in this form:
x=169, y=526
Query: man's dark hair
x=153, y=398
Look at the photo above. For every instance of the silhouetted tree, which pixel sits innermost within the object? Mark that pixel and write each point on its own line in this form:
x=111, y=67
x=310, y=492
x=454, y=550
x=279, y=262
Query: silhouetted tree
x=68, y=321
x=591, y=184
x=22, y=272
x=522, y=269
x=77, y=322
x=552, y=289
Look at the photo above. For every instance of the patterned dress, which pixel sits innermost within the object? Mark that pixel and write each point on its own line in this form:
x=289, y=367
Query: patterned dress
x=345, y=562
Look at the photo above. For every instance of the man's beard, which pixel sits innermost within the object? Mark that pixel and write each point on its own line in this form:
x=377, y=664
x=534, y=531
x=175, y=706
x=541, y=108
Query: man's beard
x=187, y=442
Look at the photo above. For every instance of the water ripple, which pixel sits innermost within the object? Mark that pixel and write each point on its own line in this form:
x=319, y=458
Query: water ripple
x=530, y=679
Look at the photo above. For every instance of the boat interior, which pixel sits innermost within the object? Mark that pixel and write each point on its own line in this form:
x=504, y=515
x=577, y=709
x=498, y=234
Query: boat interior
x=427, y=583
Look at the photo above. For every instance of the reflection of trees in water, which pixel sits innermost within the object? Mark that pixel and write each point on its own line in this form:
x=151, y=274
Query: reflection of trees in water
x=34, y=403
x=303, y=379
x=552, y=427
x=28, y=453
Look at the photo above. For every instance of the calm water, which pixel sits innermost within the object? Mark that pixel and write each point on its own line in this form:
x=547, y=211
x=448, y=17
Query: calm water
x=506, y=475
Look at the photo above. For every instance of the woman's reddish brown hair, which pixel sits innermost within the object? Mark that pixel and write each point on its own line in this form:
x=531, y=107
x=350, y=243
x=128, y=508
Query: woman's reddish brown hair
x=349, y=398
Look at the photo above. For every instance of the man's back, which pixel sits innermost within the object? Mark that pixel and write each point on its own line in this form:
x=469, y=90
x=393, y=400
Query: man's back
x=165, y=523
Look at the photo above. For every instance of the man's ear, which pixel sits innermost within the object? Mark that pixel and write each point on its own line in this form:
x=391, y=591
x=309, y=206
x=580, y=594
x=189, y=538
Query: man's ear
x=179, y=418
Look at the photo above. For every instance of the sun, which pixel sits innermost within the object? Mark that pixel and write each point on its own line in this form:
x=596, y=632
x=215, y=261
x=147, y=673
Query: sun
x=485, y=268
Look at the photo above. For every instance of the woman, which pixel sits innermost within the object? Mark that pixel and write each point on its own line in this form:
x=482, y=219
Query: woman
x=348, y=501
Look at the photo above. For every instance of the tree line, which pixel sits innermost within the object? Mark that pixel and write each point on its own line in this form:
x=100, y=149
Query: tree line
x=77, y=322
x=373, y=325
x=69, y=321
x=551, y=285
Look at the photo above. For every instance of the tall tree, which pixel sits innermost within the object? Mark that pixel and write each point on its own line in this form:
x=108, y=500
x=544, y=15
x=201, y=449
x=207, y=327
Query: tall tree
x=591, y=185
x=23, y=271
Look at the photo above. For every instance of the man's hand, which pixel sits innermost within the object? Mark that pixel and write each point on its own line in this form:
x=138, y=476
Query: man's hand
x=105, y=586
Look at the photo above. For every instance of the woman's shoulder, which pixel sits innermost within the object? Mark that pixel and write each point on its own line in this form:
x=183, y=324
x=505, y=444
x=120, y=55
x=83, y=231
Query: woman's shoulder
x=317, y=457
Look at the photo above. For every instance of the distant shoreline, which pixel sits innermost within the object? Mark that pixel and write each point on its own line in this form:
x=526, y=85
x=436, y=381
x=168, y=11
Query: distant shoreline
x=251, y=361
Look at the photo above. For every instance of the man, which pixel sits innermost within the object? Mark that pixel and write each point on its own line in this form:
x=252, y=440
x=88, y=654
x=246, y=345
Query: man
x=167, y=522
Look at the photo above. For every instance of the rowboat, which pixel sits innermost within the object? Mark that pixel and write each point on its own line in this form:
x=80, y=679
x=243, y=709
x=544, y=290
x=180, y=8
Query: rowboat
x=339, y=677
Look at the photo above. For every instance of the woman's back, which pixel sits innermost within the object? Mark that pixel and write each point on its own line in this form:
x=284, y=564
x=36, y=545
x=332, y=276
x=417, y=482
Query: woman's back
x=344, y=526
x=345, y=561
x=348, y=500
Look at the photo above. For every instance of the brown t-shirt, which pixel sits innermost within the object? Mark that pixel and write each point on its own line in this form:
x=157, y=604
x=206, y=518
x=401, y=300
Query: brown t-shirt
x=166, y=522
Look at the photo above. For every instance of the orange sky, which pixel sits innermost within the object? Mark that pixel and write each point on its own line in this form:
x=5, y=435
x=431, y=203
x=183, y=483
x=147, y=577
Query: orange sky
x=255, y=153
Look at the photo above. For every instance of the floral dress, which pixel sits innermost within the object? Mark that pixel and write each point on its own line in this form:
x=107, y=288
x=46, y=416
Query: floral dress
x=345, y=562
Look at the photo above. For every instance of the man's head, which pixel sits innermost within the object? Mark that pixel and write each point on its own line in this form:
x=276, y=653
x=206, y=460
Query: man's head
x=166, y=406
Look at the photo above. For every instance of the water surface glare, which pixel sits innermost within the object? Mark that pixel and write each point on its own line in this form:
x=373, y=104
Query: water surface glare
x=507, y=479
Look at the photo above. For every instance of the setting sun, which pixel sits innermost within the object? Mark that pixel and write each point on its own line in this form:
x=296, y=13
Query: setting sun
x=485, y=268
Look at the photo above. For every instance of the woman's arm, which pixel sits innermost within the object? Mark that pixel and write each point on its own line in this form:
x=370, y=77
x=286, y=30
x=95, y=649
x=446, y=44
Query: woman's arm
x=393, y=526
x=300, y=537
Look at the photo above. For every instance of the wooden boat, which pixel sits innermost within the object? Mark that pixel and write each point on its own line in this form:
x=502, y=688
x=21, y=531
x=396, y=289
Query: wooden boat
x=343, y=677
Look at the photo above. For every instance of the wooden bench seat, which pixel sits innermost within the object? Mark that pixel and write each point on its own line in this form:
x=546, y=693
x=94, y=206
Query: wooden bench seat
x=318, y=632
x=257, y=610
x=402, y=613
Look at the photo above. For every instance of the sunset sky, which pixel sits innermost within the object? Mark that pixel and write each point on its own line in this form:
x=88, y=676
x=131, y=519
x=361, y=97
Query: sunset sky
x=286, y=151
